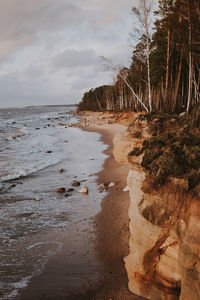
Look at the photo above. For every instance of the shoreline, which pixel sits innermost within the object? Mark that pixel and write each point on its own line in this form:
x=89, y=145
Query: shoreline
x=112, y=222
x=108, y=230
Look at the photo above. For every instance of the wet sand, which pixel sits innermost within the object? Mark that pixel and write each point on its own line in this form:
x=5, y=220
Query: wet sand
x=94, y=249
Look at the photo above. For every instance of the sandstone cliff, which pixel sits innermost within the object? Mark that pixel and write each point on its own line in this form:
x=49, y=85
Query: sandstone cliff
x=164, y=258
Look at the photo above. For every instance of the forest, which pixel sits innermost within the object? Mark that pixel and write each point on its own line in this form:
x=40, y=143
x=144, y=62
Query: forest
x=164, y=75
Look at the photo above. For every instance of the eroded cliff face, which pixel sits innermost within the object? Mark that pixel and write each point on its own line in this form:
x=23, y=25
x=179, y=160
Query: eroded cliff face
x=164, y=258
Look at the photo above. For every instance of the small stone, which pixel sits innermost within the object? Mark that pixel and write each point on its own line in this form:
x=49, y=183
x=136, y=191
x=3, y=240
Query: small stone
x=70, y=190
x=38, y=198
x=37, y=128
x=49, y=151
x=68, y=195
x=60, y=190
x=33, y=215
x=126, y=189
x=61, y=124
x=111, y=184
x=102, y=186
x=84, y=190
x=61, y=170
x=75, y=183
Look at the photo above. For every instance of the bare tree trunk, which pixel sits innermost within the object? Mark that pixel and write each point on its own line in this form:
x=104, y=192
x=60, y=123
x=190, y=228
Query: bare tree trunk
x=167, y=64
x=177, y=83
x=99, y=104
x=146, y=25
x=190, y=60
x=134, y=94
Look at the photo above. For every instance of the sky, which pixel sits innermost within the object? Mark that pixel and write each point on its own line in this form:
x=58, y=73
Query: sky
x=50, y=49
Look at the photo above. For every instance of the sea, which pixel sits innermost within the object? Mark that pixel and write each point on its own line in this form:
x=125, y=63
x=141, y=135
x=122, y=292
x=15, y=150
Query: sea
x=35, y=143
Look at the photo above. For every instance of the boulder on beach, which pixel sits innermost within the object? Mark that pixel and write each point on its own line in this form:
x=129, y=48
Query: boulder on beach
x=111, y=184
x=60, y=190
x=75, y=183
x=49, y=151
x=61, y=170
x=61, y=124
x=84, y=190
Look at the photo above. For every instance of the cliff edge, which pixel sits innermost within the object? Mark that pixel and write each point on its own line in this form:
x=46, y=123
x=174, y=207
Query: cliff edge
x=164, y=258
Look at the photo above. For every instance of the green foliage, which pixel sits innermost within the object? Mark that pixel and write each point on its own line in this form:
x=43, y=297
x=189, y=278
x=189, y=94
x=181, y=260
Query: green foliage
x=172, y=152
x=136, y=152
x=169, y=81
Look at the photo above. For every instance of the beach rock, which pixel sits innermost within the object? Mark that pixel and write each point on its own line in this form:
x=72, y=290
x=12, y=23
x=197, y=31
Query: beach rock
x=84, y=190
x=102, y=186
x=111, y=184
x=61, y=124
x=67, y=195
x=37, y=128
x=49, y=151
x=70, y=190
x=75, y=183
x=61, y=170
x=33, y=215
x=38, y=198
x=60, y=190
x=126, y=189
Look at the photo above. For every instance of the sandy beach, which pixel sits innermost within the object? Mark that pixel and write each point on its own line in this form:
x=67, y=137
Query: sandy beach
x=112, y=222
x=101, y=243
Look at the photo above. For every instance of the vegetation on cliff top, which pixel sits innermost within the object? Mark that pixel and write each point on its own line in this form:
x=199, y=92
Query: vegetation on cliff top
x=173, y=149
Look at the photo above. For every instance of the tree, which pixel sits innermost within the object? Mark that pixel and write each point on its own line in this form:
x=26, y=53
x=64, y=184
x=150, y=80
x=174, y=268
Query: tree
x=142, y=12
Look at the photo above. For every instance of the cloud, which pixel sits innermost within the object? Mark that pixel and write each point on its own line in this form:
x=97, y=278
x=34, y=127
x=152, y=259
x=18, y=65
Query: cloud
x=71, y=58
x=50, y=48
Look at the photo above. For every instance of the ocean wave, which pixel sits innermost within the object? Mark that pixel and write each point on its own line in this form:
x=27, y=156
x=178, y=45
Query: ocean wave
x=26, y=173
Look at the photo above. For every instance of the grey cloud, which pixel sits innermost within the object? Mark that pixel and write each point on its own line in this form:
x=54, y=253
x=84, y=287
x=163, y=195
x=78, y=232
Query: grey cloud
x=72, y=58
x=50, y=48
x=23, y=21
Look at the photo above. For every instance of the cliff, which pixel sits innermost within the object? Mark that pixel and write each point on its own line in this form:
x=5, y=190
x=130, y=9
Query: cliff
x=164, y=258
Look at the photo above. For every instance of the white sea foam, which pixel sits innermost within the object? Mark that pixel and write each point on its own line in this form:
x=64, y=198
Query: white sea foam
x=45, y=243
x=15, y=287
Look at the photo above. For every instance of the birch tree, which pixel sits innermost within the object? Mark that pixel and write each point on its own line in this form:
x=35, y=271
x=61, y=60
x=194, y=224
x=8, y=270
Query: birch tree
x=142, y=12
